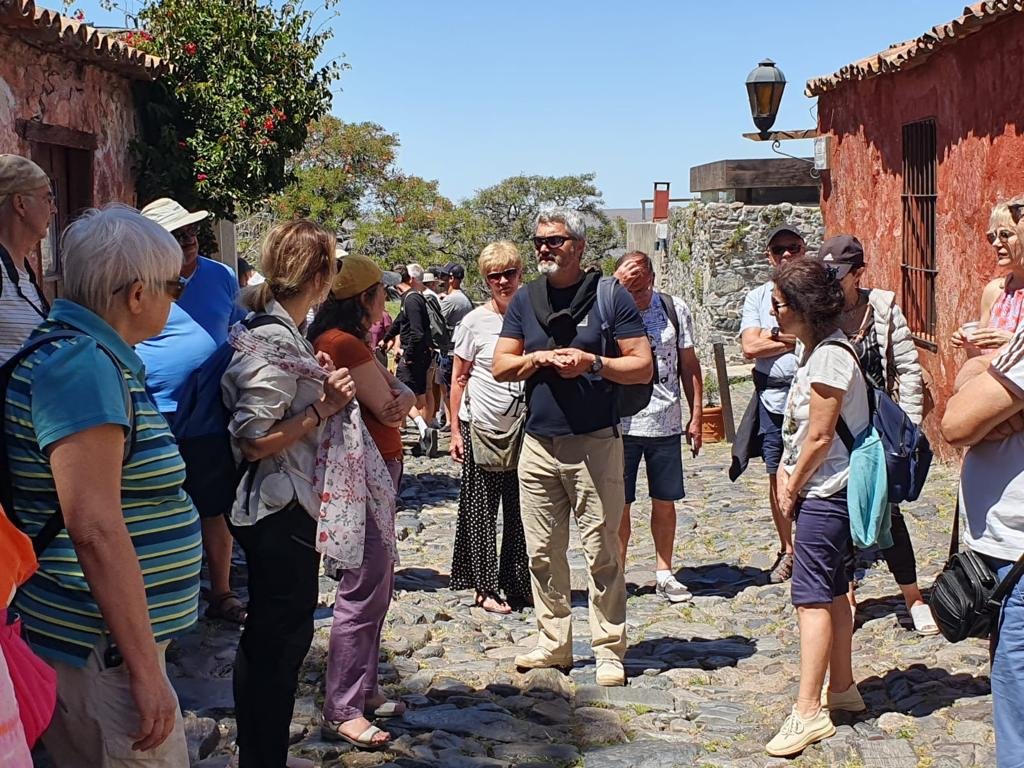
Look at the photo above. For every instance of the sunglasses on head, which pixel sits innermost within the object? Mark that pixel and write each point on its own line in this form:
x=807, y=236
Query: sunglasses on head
x=780, y=250
x=508, y=274
x=185, y=234
x=551, y=241
x=777, y=305
x=1002, y=235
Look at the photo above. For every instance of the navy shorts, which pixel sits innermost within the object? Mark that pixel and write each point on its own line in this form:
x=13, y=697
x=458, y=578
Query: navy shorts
x=823, y=559
x=770, y=431
x=664, y=459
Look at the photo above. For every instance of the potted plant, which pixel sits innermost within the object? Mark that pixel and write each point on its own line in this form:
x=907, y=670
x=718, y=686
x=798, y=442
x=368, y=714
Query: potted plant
x=713, y=424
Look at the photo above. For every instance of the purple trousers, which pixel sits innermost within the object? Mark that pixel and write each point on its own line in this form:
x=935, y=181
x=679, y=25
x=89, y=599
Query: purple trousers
x=364, y=595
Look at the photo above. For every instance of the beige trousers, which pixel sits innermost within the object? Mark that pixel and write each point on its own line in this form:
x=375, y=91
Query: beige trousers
x=96, y=720
x=581, y=475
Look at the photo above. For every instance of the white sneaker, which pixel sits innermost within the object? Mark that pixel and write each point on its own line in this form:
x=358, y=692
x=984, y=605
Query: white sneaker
x=673, y=591
x=796, y=734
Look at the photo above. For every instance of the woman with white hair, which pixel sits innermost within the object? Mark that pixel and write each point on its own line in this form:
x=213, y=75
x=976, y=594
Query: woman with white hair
x=97, y=484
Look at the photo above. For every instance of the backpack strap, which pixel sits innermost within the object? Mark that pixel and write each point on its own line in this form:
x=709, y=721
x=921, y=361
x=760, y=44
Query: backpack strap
x=670, y=310
x=605, y=293
x=55, y=523
x=537, y=291
x=841, y=427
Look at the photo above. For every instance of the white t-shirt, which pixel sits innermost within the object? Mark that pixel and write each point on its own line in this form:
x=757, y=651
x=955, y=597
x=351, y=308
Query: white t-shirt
x=834, y=367
x=757, y=307
x=18, y=318
x=663, y=416
x=493, y=405
x=992, y=475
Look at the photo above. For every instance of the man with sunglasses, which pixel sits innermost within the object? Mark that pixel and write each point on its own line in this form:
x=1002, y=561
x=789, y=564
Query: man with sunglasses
x=571, y=462
x=774, y=367
x=196, y=326
x=26, y=211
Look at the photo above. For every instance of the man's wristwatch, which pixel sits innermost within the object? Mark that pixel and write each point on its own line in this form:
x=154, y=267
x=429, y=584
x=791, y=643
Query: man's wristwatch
x=597, y=365
x=775, y=333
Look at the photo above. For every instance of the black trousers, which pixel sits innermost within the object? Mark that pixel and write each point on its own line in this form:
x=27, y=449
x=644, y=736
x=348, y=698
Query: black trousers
x=283, y=590
x=900, y=556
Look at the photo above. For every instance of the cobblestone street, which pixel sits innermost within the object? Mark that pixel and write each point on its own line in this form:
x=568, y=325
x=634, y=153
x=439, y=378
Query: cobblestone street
x=709, y=681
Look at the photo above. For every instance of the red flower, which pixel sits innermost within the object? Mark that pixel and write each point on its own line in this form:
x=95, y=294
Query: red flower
x=268, y=124
x=146, y=36
x=245, y=110
x=129, y=38
x=264, y=142
x=201, y=177
x=243, y=124
x=80, y=14
x=190, y=49
x=323, y=536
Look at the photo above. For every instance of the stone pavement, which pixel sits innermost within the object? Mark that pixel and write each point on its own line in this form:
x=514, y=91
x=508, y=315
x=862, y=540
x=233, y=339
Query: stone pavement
x=709, y=682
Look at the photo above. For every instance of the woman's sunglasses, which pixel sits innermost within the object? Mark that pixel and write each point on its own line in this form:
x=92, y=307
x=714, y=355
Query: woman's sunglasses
x=777, y=305
x=509, y=274
x=1002, y=235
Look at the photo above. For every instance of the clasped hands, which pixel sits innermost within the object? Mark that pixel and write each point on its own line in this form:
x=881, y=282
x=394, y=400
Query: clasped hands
x=567, y=362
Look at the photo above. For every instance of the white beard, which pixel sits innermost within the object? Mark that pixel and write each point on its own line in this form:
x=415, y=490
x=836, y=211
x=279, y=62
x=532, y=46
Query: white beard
x=547, y=267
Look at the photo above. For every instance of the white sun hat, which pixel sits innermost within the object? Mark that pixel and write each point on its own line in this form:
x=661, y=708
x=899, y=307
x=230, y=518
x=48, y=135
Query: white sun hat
x=172, y=215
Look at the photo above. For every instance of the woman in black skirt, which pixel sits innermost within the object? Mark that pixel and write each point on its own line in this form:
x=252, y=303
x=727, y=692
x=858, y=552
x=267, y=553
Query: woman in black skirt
x=492, y=406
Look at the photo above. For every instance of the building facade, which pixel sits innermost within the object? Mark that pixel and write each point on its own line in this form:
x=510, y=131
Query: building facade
x=925, y=138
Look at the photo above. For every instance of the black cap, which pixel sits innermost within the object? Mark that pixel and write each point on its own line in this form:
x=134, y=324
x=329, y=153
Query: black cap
x=437, y=271
x=783, y=228
x=843, y=253
x=455, y=270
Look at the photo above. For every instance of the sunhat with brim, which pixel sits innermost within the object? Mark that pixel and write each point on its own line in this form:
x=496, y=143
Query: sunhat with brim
x=357, y=273
x=172, y=215
x=19, y=174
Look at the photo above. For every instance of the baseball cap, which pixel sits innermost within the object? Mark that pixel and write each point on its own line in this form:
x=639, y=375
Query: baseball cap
x=438, y=271
x=429, y=277
x=455, y=270
x=19, y=174
x=172, y=215
x=358, y=273
x=843, y=253
x=783, y=228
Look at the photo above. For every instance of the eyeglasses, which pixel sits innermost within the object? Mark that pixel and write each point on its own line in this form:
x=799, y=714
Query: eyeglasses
x=173, y=288
x=509, y=274
x=1003, y=235
x=185, y=234
x=551, y=241
x=780, y=250
x=777, y=305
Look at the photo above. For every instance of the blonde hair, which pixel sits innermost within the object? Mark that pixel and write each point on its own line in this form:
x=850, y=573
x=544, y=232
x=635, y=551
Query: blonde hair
x=1000, y=214
x=294, y=253
x=499, y=255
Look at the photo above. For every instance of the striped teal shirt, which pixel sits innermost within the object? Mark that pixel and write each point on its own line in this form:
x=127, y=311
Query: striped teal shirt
x=67, y=387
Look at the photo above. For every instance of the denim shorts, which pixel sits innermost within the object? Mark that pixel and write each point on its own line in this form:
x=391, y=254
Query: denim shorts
x=664, y=459
x=822, y=561
x=771, y=437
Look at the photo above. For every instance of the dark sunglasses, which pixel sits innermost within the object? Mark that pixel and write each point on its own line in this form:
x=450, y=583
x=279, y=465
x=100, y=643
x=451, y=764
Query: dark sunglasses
x=173, y=288
x=1002, y=235
x=777, y=305
x=780, y=250
x=551, y=241
x=1015, y=210
x=185, y=234
x=508, y=274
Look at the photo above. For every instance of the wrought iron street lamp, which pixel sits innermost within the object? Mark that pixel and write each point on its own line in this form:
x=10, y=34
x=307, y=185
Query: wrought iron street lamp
x=765, y=85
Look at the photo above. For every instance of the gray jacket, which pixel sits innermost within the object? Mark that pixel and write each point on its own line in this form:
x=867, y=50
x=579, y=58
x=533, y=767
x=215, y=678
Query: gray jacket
x=902, y=369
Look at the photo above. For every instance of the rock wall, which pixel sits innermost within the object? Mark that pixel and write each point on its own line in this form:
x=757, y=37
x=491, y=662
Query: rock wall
x=716, y=255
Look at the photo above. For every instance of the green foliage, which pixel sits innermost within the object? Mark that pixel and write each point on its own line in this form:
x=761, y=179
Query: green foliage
x=711, y=391
x=735, y=241
x=218, y=129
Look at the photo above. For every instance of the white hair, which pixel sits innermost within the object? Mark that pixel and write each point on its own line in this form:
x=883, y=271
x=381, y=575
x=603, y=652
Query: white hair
x=415, y=271
x=572, y=220
x=108, y=249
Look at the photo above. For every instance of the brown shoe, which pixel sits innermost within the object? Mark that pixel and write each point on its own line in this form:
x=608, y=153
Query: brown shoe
x=783, y=568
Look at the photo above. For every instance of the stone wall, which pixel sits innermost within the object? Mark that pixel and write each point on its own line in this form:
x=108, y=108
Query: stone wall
x=716, y=255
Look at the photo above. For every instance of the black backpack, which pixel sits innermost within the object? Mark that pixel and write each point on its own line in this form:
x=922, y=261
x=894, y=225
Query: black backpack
x=440, y=334
x=55, y=524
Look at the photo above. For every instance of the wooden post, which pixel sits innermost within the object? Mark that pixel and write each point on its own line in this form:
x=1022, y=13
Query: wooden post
x=723, y=391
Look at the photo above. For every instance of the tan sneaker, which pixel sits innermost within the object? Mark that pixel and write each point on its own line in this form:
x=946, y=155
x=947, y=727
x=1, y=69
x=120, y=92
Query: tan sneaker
x=796, y=734
x=539, y=658
x=849, y=700
x=610, y=672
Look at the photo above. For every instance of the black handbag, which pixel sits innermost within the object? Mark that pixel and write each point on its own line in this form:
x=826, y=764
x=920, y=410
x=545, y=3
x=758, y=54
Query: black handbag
x=967, y=596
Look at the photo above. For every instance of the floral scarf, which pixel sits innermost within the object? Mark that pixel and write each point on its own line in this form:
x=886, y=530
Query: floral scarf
x=350, y=474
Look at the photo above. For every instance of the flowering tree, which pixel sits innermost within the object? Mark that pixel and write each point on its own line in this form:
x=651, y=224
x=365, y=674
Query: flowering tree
x=217, y=131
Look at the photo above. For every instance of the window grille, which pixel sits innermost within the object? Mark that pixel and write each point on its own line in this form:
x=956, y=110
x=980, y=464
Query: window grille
x=920, y=164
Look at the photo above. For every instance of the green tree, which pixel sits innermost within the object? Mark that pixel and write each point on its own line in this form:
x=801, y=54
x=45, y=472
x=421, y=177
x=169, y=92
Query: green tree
x=219, y=128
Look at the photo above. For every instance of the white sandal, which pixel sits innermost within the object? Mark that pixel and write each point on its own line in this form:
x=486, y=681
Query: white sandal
x=924, y=622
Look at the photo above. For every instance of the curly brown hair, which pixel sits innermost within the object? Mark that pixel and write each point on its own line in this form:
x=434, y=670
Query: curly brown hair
x=813, y=290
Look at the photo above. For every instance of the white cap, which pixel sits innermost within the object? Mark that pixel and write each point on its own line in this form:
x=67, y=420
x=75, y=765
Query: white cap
x=428, y=277
x=172, y=215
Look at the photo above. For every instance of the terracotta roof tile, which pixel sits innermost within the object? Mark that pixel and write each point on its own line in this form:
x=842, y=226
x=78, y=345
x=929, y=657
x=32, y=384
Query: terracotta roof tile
x=50, y=30
x=900, y=56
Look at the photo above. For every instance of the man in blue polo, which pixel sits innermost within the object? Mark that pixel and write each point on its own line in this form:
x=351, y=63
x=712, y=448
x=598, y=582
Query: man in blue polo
x=197, y=325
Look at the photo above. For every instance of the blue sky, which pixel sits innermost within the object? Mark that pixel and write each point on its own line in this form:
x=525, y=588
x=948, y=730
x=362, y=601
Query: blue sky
x=636, y=92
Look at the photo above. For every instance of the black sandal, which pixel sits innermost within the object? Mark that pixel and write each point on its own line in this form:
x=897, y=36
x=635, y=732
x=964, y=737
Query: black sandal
x=226, y=607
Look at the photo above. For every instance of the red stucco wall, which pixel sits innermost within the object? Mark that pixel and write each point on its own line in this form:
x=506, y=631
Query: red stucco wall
x=974, y=91
x=35, y=85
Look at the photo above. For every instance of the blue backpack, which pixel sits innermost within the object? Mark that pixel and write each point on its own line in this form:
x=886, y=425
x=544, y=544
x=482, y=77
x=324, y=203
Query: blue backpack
x=908, y=454
x=200, y=425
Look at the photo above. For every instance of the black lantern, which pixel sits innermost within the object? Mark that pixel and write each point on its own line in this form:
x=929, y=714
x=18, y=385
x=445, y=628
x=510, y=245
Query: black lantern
x=765, y=85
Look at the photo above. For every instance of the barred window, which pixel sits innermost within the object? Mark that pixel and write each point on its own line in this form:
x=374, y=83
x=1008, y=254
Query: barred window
x=920, y=164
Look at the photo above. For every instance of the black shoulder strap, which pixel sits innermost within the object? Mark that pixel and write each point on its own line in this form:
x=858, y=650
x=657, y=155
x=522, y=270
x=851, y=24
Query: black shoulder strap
x=537, y=290
x=55, y=524
x=12, y=275
x=260, y=320
x=670, y=310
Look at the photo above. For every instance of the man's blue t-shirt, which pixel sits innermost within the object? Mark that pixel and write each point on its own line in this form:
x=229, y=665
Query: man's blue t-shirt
x=557, y=406
x=211, y=298
x=171, y=357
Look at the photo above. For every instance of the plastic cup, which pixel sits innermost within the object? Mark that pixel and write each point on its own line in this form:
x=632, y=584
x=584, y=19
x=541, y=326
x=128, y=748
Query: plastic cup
x=969, y=329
